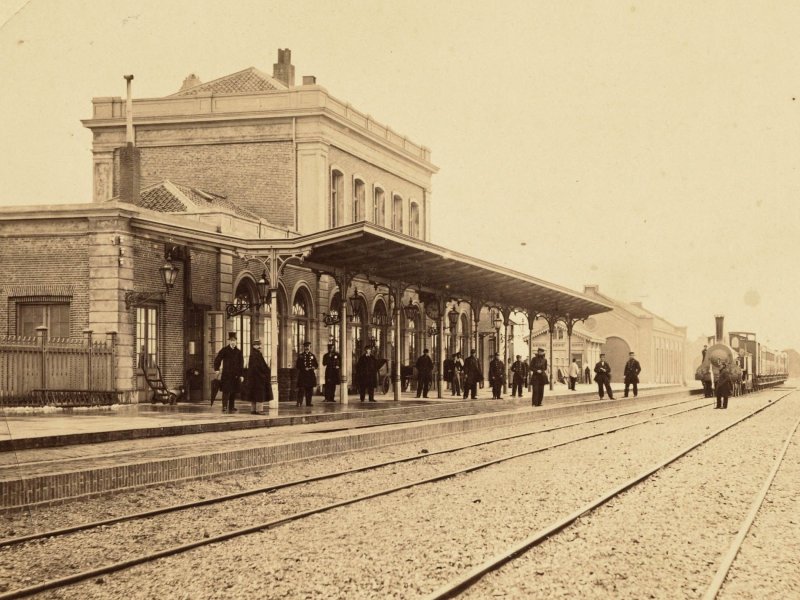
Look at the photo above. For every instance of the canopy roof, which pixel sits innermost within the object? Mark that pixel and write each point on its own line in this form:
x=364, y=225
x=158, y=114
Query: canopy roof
x=387, y=256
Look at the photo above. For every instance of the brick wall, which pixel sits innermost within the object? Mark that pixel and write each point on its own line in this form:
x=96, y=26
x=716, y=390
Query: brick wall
x=257, y=176
x=51, y=260
x=148, y=257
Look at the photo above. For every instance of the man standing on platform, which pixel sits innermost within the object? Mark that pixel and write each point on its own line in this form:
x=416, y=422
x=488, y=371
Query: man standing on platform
x=367, y=374
x=447, y=371
x=424, y=370
x=231, y=360
x=574, y=371
x=458, y=373
x=602, y=375
x=472, y=375
x=333, y=367
x=259, y=389
x=632, y=370
x=538, y=376
x=306, y=374
x=496, y=375
x=587, y=375
x=520, y=371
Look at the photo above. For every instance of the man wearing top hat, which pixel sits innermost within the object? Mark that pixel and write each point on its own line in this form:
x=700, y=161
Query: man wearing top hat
x=602, y=375
x=538, y=376
x=496, y=375
x=306, y=374
x=333, y=370
x=259, y=389
x=231, y=360
x=632, y=370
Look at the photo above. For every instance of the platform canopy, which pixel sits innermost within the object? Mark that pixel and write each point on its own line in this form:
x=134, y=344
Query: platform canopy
x=386, y=256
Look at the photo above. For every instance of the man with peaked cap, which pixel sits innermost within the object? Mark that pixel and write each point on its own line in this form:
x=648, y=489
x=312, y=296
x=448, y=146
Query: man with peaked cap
x=602, y=375
x=520, y=377
x=538, y=376
x=367, y=374
x=333, y=372
x=259, y=389
x=496, y=375
x=231, y=361
x=632, y=370
x=306, y=374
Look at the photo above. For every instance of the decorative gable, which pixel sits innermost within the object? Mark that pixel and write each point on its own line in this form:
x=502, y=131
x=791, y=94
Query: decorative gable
x=249, y=81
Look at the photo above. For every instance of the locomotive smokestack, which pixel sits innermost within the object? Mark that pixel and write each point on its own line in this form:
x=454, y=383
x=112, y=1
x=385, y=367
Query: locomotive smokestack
x=719, y=319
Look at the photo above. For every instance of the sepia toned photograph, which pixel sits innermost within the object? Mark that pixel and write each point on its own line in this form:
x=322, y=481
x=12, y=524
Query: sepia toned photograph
x=377, y=299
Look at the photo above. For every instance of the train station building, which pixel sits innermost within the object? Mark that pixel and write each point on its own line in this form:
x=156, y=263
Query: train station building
x=257, y=205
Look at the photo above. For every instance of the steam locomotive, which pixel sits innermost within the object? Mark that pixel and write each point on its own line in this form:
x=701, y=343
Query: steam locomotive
x=752, y=365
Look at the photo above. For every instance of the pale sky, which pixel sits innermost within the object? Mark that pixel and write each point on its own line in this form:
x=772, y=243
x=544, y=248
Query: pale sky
x=650, y=148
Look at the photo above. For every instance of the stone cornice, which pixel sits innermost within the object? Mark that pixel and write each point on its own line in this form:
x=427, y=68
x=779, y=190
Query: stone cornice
x=306, y=101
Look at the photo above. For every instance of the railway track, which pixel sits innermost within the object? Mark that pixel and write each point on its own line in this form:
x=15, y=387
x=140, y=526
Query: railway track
x=299, y=515
x=464, y=582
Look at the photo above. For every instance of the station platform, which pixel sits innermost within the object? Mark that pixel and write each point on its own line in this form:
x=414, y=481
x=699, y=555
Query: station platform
x=28, y=428
x=50, y=457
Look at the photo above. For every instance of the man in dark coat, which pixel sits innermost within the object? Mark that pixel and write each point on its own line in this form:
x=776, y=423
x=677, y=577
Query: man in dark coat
x=724, y=385
x=587, y=375
x=538, y=376
x=333, y=372
x=496, y=375
x=472, y=375
x=458, y=370
x=447, y=370
x=424, y=370
x=306, y=374
x=520, y=371
x=231, y=361
x=632, y=370
x=259, y=389
x=367, y=374
x=602, y=375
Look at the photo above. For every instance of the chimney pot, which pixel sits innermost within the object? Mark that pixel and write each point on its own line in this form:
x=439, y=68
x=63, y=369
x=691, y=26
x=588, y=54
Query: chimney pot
x=190, y=81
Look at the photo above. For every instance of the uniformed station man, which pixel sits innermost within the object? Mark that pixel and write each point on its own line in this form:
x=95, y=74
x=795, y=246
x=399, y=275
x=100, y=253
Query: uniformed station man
x=333, y=372
x=538, y=376
x=306, y=374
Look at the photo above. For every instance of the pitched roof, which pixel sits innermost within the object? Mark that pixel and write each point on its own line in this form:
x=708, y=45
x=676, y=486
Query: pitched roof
x=250, y=81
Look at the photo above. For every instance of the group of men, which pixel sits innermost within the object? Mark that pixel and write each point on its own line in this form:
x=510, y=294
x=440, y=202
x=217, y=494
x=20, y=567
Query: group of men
x=229, y=368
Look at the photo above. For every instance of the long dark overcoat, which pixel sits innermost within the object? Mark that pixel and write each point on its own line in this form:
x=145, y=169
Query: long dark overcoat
x=632, y=370
x=306, y=375
x=472, y=371
x=367, y=372
x=333, y=367
x=232, y=362
x=424, y=369
x=258, y=376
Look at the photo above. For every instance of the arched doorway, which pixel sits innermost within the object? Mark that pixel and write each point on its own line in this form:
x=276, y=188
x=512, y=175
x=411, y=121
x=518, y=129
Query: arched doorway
x=300, y=326
x=379, y=332
x=616, y=350
x=246, y=295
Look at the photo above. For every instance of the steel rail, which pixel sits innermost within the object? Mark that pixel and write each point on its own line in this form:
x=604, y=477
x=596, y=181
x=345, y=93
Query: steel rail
x=727, y=560
x=468, y=579
x=145, y=558
x=274, y=487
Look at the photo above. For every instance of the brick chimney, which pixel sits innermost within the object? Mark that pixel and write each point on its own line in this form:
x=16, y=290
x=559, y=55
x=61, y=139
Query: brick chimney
x=129, y=156
x=283, y=70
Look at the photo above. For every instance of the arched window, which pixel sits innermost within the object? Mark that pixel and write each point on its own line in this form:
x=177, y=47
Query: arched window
x=463, y=336
x=410, y=341
x=335, y=330
x=337, y=181
x=359, y=199
x=357, y=331
x=246, y=293
x=397, y=213
x=379, y=207
x=413, y=224
x=300, y=311
x=378, y=331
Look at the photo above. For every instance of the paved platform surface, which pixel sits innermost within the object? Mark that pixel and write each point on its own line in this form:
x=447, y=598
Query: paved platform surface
x=149, y=453
x=23, y=428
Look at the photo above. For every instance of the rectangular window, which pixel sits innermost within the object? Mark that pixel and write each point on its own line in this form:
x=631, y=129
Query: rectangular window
x=53, y=316
x=147, y=336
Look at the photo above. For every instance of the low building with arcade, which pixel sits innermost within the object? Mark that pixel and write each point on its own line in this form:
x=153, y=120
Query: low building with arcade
x=660, y=346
